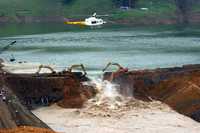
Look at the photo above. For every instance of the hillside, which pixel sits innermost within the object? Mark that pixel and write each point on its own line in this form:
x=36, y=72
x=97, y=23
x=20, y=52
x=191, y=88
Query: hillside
x=13, y=9
x=49, y=7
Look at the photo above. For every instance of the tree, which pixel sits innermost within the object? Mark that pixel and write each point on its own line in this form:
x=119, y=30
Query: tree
x=66, y=1
x=183, y=8
x=132, y=3
x=128, y=3
x=117, y=3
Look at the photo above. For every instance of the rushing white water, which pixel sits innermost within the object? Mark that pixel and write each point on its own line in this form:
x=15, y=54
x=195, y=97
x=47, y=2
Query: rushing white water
x=108, y=94
x=107, y=88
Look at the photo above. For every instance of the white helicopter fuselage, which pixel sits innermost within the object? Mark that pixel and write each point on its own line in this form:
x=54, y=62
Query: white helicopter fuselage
x=93, y=21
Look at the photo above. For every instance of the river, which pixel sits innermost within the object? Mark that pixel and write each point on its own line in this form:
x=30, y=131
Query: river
x=133, y=47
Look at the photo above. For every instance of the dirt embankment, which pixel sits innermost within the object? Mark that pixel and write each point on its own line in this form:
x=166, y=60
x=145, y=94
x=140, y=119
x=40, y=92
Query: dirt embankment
x=26, y=129
x=35, y=90
x=178, y=87
x=19, y=91
x=13, y=114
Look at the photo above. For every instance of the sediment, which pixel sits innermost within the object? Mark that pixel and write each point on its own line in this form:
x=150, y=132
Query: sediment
x=179, y=87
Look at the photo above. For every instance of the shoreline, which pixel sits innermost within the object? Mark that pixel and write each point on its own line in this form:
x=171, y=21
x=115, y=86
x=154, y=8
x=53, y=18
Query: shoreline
x=194, y=18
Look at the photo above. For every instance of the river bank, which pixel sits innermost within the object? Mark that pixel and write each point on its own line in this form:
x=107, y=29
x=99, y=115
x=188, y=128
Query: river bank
x=165, y=19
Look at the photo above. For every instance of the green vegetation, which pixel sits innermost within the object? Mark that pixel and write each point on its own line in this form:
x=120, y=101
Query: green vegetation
x=53, y=7
x=82, y=7
x=157, y=8
x=77, y=8
x=29, y=7
x=196, y=8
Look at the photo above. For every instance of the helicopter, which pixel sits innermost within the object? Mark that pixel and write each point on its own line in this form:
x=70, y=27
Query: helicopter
x=91, y=21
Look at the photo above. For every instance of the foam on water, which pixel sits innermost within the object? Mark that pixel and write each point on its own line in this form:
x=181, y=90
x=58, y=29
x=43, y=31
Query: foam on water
x=108, y=94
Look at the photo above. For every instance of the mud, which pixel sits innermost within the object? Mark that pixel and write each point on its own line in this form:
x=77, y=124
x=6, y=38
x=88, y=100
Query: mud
x=26, y=129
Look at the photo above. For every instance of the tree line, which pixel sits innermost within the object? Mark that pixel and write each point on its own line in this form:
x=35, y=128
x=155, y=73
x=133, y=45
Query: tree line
x=183, y=7
x=64, y=2
x=127, y=3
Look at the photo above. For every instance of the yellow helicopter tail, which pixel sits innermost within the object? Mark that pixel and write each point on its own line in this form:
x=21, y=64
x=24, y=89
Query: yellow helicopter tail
x=75, y=23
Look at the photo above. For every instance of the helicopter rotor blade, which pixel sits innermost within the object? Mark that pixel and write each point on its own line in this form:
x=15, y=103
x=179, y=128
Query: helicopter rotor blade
x=86, y=15
x=106, y=15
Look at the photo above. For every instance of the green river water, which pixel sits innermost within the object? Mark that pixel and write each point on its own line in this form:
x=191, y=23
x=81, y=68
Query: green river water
x=134, y=47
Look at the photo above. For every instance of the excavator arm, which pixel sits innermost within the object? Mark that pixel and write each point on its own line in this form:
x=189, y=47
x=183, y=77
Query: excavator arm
x=77, y=66
x=114, y=64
